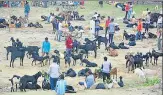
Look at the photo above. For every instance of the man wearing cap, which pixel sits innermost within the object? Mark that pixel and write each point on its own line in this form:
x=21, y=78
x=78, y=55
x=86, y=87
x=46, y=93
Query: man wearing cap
x=45, y=47
x=54, y=72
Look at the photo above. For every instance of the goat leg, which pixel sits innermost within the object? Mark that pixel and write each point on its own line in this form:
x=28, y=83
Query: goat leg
x=13, y=64
x=156, y=61
x=10, y=62
x=20, y=61
x=16, y=87
x=7, y=55
x=35, y=62
x=32, y=62
x=95, y=54
x=99, y=43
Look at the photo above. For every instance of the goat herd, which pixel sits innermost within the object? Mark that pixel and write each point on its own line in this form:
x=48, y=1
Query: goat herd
x=19, y=51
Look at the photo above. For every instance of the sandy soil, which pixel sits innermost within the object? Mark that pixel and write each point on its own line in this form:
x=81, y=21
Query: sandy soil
x=32, y=36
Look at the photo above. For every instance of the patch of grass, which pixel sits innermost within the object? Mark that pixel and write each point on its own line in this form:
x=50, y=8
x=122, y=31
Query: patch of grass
x=152, y=81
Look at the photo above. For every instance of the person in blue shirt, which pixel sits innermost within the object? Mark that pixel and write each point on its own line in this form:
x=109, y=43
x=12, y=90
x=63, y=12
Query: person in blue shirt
x=70, y=27
x=89, y=81
x=26, y=9
x=97, y=26
x=111, y=30
x=61, y=86
x=45, y=47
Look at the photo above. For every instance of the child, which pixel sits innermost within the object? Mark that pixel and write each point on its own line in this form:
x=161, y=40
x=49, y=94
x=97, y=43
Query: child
x=61, y=86
x=120, y=83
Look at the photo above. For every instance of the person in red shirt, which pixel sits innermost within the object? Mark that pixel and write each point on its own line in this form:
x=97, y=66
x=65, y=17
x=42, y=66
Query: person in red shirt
x=69, y=43
x=139, y=29
x=127, y=7
x=106, y=25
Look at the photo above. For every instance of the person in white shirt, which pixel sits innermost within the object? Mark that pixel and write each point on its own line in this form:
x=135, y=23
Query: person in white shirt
x=51, y=18
x=60, y=28
x=147, y=22
x=54, y=72
x=159, y=22
x=106, y=68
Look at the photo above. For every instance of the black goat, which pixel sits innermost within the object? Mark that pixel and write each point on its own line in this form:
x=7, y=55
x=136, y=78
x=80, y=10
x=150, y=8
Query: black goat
x=138, y=60
x=156, y=55
x=44, y=17
x=127, y=36
x=75, y=45
x=55, y=57
x=121, y=46
x=83, y=72
x=130, y=60
x=146, y=57
x=112, y=45
x=89, y=47
x=26, y=78
x=9, y=49
x=77, y=57
x=71, y=73
x=88, y=63
x=88, y=41
x=67, y=58
x=31, y=49
x=17, y=53
x=14, y=80
x=151, y=35
x=36, y=57
x=100, y=39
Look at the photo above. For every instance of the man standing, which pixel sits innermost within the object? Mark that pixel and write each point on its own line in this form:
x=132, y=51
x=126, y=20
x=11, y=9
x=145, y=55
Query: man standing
x=126, y=9
x=139, y=29
x=26, y=9
x=147, y=22
x=159, y=23
x=106, y=68
x=45, y=47
x=92, y=25
x=101, y=3
x=54, y=72
x=106, y=25
x=59, y=34
x=111, y=30
x=97, y=26
x=69, y=44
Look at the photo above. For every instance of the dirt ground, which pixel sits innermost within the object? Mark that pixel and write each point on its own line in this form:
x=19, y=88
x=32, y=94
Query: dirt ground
x=32, y=36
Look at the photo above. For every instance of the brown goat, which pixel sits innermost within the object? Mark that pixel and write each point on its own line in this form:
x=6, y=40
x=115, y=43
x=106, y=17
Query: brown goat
x=114, y=72
x=113, y=52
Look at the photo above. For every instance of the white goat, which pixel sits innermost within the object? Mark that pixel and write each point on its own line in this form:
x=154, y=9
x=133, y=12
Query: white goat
x=140, y=73
x=149, y=72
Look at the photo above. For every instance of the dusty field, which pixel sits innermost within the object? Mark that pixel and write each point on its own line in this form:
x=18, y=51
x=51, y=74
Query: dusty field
x=32, y=36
